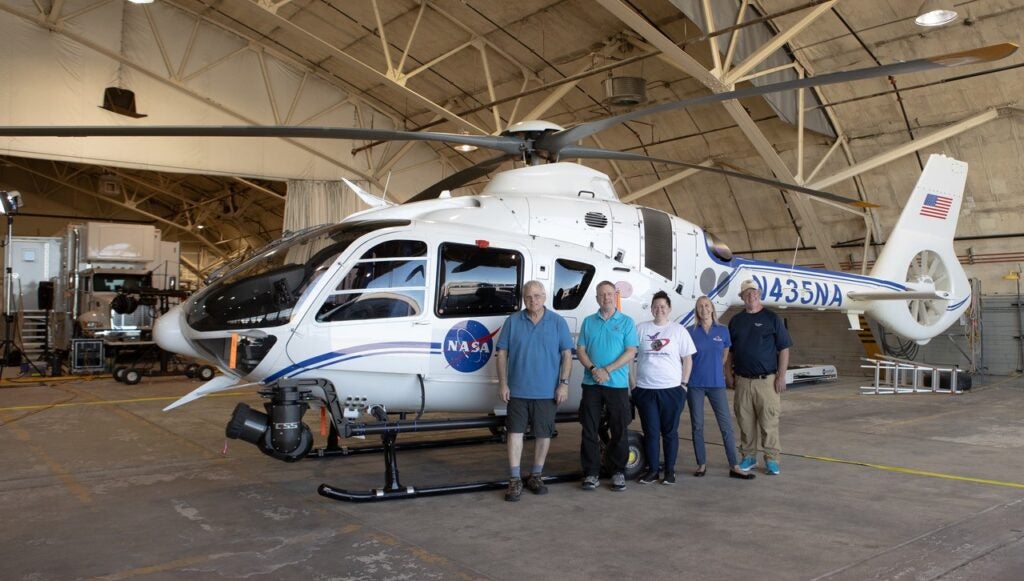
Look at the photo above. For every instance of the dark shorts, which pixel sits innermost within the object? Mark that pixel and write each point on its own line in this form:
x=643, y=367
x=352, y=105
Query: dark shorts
x=538, y=412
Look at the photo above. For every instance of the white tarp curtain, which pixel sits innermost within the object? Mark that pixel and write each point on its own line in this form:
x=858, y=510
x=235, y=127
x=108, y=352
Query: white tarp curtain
x=311, y=203
x=58, y=77
x=749, y=40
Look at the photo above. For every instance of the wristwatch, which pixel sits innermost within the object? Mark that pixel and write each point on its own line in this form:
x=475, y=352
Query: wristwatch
x=591, y=368
x=563, y=382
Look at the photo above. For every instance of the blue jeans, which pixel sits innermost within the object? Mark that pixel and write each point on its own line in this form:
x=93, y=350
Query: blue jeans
x=720, y=405
x=659, y=411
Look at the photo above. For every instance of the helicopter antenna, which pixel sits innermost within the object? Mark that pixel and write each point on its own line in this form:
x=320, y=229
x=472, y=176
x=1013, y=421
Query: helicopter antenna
x=384, y=196
x=796, y=248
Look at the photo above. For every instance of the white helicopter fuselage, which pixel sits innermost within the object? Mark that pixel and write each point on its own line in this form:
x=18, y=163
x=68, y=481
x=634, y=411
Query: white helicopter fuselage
x=401, y=306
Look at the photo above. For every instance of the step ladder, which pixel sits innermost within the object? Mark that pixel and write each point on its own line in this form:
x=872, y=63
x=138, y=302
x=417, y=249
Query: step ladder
x=33, y=334
x=893, y=376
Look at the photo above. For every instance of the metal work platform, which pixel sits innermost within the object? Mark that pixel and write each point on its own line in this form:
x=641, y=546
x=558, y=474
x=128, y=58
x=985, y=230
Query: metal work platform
x=894, y=376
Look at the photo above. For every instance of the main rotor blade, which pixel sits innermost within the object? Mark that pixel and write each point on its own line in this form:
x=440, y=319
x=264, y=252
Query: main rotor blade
x=594, y=153
x=556, y=142
x=461, y=177
x=506, y=144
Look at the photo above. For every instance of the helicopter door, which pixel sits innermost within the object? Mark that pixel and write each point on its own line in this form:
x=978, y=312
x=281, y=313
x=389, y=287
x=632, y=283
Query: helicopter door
x=478, y=286
x=372, y=321
x=627, y=240
x=558, y=218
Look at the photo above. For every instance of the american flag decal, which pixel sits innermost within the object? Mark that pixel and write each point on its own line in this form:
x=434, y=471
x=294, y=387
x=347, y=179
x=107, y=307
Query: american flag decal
x=936, y=206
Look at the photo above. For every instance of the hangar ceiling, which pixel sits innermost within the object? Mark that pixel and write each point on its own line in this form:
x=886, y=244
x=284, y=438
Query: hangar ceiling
x=476, y=66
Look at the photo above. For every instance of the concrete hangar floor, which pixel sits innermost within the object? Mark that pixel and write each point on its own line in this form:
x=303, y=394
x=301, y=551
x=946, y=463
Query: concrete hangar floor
x=98, y=483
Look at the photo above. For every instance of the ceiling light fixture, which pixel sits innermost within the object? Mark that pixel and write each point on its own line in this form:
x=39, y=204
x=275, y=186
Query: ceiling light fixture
x=10, y=202
x=936, y=13
x=464, y=147
x=141, y=1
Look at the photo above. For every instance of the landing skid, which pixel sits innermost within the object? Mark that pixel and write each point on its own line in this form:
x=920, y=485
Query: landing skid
x=393, y=488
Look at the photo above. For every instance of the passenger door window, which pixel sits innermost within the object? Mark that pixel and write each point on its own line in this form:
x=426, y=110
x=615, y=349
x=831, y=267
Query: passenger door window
x=475, y=281
x=572, y=279
x=388, y=281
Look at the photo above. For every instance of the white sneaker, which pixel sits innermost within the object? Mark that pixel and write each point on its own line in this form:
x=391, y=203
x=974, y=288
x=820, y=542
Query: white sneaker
x=618, y=482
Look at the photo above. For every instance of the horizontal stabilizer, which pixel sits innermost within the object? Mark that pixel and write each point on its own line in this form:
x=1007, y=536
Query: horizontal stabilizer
x=898, y=295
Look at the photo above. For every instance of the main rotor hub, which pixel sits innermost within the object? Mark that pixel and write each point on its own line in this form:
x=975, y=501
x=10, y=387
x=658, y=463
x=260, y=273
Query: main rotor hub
x=532, y=126
x=529, y=132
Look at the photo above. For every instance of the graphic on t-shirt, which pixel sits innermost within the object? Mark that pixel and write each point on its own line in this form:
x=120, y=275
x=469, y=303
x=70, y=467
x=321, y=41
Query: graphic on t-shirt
x=656, y=343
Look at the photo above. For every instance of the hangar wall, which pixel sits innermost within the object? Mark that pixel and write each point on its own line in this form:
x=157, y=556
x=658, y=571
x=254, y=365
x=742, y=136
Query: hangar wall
x=1001, y=335
x=823, y=337
x=820, y=337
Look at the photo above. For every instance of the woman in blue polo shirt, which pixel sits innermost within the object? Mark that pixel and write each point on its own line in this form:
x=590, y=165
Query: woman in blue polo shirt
x=708, y=380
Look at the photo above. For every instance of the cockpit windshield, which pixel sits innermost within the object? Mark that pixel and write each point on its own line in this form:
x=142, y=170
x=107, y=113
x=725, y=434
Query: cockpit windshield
x=263, y=291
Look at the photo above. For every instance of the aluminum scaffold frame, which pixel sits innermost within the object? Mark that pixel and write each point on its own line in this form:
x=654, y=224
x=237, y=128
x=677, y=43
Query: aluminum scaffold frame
x=894, y=376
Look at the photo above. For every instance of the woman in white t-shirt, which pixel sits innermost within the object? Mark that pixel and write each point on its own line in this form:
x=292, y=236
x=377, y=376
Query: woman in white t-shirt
x=659, y=381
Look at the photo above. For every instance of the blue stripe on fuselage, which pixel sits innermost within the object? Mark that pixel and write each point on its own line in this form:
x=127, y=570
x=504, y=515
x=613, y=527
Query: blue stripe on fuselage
x=747, y=264
x=326, y=358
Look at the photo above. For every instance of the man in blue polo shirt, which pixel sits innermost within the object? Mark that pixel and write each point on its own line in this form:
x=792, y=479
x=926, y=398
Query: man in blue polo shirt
x=534, y=360
x=606, y=345
x=757, y=368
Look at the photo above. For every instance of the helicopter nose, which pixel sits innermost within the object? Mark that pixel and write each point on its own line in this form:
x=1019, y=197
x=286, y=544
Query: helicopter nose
x=167, y=334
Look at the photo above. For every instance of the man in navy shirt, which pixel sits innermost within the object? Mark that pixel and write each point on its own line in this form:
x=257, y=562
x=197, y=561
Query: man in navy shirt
x=757, y=368
x=534, y=361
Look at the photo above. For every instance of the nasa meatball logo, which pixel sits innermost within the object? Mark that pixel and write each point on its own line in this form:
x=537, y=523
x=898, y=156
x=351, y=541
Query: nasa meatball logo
x=468, y=346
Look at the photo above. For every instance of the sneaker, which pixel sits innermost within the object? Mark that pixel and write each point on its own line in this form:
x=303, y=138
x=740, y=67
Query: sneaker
x=590, y=483
x=648, y=478
x=515, y=489
x=771, y=467
x=748, y=463
x=535, y=484
x=670, y=478
x=618, y=482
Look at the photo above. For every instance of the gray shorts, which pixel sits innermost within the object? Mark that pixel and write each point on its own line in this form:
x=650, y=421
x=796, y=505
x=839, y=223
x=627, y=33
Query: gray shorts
x=538, y=412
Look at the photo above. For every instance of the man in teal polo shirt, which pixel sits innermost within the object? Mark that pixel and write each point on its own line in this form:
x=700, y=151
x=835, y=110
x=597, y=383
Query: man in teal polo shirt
x=606, y=344
x=534, y=360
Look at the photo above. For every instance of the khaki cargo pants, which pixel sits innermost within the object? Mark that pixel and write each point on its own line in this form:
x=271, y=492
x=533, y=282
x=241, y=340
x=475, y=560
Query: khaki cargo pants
x=757, y=409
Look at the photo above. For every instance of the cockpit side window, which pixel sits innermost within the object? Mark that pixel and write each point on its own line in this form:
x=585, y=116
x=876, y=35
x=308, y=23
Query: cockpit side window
x=264, y=290
x=475, y=281
x=572, y=279
x=388, y=281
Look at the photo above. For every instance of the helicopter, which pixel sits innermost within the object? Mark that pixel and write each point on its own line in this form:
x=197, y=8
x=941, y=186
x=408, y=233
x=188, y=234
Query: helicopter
x=395, y=311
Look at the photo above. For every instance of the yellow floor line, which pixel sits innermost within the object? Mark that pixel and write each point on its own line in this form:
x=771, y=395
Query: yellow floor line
x=175, y=565
x=43, y=380
x=108, y=402
x=902, y=470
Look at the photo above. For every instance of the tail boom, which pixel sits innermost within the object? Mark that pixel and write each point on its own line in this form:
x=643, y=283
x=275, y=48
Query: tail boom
x=917, y=288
